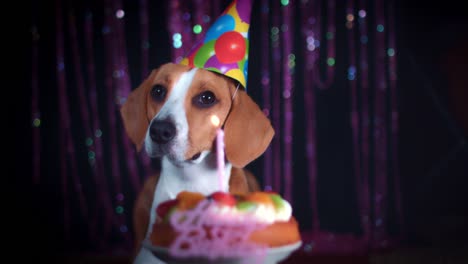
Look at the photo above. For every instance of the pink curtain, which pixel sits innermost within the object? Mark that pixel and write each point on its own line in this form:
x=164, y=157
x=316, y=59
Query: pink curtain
x=324, y=72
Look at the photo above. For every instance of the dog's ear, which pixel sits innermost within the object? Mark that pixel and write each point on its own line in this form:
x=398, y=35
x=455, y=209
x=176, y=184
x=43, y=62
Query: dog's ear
x=133, y=112
x=248, y=132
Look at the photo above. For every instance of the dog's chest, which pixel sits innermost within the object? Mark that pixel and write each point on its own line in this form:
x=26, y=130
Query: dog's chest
x=196, y=178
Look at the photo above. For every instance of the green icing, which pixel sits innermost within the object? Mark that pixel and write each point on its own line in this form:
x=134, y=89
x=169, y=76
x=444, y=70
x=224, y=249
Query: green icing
x=277, y=200
x=245, y=205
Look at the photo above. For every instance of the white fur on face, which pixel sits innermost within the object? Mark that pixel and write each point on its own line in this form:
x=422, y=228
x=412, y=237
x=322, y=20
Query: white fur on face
x=173, y=109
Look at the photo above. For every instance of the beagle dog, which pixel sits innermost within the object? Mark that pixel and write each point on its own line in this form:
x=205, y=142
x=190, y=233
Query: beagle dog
x=169, y=116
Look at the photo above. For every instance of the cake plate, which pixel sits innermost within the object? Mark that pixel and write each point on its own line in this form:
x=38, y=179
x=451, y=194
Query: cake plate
x=273, y=256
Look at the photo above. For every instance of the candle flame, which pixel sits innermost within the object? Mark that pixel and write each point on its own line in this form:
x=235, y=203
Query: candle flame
x=215, y=120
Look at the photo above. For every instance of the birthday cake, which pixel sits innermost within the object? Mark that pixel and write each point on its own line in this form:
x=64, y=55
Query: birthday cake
x=223, y=223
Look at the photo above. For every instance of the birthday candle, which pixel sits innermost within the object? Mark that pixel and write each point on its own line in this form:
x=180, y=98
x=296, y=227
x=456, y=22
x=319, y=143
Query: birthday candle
x=219, y=150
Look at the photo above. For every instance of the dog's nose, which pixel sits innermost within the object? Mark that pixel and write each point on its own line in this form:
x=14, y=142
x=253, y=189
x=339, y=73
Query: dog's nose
x=162, y=131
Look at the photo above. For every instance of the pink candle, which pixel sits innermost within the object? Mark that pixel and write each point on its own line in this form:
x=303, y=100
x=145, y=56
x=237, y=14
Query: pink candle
x=220, y=155
x=219, y=150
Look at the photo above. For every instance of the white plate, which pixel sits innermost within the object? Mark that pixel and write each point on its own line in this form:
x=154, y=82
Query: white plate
x=273, y=255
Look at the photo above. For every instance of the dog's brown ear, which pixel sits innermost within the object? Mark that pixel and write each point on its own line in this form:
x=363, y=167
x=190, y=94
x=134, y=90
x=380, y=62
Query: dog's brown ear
x=133, y=112
x=248, y=132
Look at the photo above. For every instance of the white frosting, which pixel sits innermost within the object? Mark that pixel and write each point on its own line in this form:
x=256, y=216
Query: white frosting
x=262, y=213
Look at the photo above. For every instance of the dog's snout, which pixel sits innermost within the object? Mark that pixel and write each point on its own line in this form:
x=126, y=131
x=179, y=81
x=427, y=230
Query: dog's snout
x=162, y=131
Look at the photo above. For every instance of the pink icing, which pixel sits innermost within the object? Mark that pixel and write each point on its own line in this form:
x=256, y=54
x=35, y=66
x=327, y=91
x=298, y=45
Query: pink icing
x=229, y=236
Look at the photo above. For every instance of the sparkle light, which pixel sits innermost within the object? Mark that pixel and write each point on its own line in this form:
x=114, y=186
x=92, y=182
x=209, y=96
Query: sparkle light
x=364, y=39
x=311, y=20
x=123, y=228
x=352, y=73
x=380, y=28
x=284, y=2
x=177, y=37
x=274, y=38
x=177, y=40
x=331, y=62
x=378, y=222
x=117, y=74
x=105, y=30
x=119, y=209
x=362, y=13
x=36, y=122
x=197, y=29
x=61, y=66
x=390, y=52
x=274, y=30
x=88, y=141
x=177, y=44
x=91, y=154
x=308, y=247
x=119, y=14
x=98, y=133
x=206, y=18
x=317, y=43
x=119, y=197
x=291, y=61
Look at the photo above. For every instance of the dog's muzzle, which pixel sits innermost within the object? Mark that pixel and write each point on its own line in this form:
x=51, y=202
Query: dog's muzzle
x=162, y=131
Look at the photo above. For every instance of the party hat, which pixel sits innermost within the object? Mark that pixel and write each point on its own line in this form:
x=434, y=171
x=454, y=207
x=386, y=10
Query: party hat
x=224, y=48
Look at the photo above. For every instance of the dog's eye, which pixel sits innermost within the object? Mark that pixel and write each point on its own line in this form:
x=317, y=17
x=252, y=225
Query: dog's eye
x=205, y=99
x=158, y=92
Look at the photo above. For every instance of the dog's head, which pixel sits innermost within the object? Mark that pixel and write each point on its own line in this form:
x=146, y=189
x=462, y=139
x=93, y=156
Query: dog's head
x=170, y=115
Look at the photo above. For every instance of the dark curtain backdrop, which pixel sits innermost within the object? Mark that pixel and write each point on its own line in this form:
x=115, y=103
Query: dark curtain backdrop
x=365, y=97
